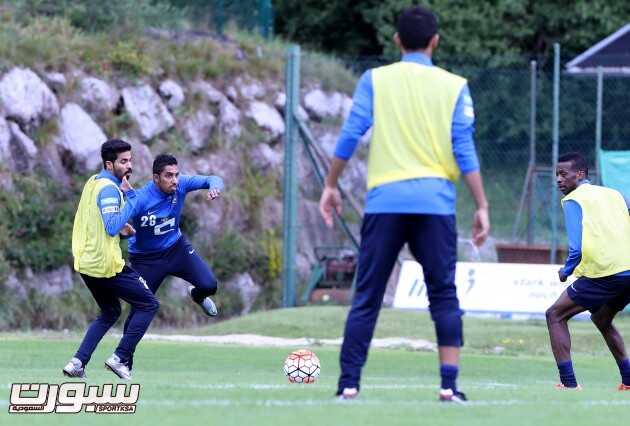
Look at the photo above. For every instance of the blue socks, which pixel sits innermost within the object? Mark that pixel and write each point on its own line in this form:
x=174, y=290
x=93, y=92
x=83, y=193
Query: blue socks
x=448, y=373
x=624, y=370
x=567, y=376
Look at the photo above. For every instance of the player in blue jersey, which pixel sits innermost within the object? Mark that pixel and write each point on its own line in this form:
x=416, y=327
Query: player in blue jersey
x=159, y=248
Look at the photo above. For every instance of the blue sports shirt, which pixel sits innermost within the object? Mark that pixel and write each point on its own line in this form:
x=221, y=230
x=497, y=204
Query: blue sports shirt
x=157, y=215
x=109, y=202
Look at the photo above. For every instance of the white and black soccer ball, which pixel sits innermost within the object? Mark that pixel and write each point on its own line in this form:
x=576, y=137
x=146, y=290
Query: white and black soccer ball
x=302, y=366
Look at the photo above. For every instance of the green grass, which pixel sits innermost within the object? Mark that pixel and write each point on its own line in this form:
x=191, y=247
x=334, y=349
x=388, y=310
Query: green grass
x=230, y=385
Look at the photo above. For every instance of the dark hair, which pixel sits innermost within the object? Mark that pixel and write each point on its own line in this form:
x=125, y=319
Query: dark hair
x=416, y=27
x=162, y=161
x=578, y=162
x=111, y=149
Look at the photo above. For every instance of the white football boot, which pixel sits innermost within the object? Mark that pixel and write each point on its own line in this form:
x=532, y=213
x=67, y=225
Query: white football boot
x=74, y=368
x=206, y=304
x=349, y=394
x=118, y=368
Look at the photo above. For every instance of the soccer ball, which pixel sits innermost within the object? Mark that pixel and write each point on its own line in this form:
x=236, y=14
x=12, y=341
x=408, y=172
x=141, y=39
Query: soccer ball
x=302, y=366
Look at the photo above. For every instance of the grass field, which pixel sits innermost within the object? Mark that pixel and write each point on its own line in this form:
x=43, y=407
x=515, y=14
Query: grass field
x=507, y=371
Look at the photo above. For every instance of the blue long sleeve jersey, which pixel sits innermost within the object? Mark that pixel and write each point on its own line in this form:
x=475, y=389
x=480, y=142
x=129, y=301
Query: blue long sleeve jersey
x=573, y=223
x=424, y=195
x=156, y=215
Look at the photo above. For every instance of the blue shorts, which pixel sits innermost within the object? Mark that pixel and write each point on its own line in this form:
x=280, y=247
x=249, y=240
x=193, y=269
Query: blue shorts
x=180, y=260
x=593, y=293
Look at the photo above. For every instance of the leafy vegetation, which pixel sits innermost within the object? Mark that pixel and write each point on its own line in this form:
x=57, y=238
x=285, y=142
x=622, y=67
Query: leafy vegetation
x=37, y=222
x=488, y=32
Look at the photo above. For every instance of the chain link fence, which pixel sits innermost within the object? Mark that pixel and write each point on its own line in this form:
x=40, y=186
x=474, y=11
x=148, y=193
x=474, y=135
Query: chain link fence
x=503, y=108
x=250, y=15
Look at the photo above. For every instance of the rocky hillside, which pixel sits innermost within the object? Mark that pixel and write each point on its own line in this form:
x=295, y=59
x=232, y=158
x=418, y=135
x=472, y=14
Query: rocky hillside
x=215, y=104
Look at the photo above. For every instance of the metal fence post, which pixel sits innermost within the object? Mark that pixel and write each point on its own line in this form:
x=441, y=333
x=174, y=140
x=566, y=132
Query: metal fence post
x=265, y=18
x=554, y=152
x=598, y=121
x=290, y=188
x=531, y=208
x=219, y=16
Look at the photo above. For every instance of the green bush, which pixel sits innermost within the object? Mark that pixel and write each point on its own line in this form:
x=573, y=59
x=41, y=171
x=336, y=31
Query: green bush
x=37, y=220
x=128, y=58
x=121, y=16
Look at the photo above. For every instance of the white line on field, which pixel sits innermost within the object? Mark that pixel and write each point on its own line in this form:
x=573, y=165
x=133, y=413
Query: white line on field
x=317, y=402
x=258, y=340
x=260, y=386
x=368, y=402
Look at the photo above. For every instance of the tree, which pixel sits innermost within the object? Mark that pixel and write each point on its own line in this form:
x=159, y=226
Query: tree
x=485, y=32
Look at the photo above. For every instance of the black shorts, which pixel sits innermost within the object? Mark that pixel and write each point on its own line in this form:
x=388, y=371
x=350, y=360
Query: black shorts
x=593, y=293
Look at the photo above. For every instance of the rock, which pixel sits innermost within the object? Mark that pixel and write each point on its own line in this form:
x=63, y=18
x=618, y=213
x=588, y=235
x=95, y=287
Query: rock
x=346, y=106
x=23, y=149
x=263, y=157
x=55, y=282
x=56, y=80
x=50, y=283
x=230, y=120
x=267, y=118
x=97, y=95
x=197, y=129
x=177, y=288
x=146, y=108
x=172, y=93
x=50, y=162
x=6, y=160
x=354, y=178
x=80, y=136
x=231, y=93
x=225, y=163
x=328, y=142
x=280, y=102
x=320, y=105
x=142, y=160
x=15, y=285
x=312, y=230
x=271, y=213
x=249, y=88
x=246, y=288
x=26, y=99
x=207, y=91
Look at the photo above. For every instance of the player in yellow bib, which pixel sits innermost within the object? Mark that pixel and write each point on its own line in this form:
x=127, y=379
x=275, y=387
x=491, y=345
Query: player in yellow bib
x=422, y=118
x=100, y=220
x=598, y=230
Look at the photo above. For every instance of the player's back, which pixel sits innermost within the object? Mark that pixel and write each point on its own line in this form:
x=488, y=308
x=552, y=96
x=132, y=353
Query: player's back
x=605, y=231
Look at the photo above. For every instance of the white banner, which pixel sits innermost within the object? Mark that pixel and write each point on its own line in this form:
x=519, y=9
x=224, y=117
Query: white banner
x=488, y=287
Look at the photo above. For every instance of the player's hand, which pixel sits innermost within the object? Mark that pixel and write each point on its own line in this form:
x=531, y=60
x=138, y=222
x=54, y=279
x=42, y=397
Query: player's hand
x=125, y=185
x=481, y=226
x=214, y=193
x=561, y=275
x=330, y=201
x=127, y=230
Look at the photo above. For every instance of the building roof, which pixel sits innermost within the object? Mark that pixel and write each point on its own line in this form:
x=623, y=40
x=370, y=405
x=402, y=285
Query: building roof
x=611, y=53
